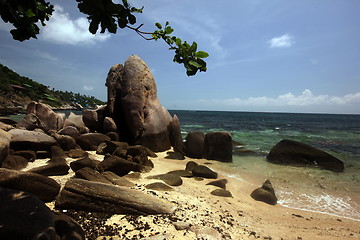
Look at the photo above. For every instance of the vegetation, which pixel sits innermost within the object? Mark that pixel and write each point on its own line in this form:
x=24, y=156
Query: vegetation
x=25, y=15
x=13, y=83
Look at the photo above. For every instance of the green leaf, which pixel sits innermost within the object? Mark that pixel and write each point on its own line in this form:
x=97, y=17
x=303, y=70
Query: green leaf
x=168, y=30
x=201, y=54
x=158, y=25
x=195, y=64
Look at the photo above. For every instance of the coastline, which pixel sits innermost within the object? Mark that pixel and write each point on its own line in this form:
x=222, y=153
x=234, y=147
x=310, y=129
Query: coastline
x=213, y=217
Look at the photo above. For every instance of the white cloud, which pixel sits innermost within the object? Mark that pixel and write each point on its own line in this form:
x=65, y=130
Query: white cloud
x=88, y=88
x=305, y=99
x=283, y=41
x=63, y=30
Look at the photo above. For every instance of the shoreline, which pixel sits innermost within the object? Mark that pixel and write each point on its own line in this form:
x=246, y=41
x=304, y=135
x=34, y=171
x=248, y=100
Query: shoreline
x=213, y=217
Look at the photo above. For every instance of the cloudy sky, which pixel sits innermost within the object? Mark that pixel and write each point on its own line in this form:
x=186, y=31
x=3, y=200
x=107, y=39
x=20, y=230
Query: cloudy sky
x=265, y=55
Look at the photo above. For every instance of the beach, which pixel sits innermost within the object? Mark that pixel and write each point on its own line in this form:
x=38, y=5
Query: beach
x=205, y=216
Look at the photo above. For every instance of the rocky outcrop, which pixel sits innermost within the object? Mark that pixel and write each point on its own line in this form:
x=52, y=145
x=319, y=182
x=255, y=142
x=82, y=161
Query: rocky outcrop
x=135, y=107
x=290, y=152
x=24, y=139
x=99, y=197
x=218, y=146
x=195, y=144
x=265, y=194
x=43, y=187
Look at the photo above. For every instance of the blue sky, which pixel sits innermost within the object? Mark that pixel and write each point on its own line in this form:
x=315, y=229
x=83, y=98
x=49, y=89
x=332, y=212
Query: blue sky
x=265, y=55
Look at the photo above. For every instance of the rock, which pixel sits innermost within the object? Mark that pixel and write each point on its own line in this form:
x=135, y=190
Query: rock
x=204, y=171
x=8, y=121
x=181, y=225
x=24, y=140
x=57, y=154
x=24, y=216
x=85, y=162
x=195, y=144
x=182, y=173
x=75, y=121
x=117, y=165
x=67, y=228
x=70, y=131
x=290, y=152
x=15, y=162
x=30, y=122
x=29, y=155
x=219, y=183
x=190, y=166
x=111, y=146
x=175, y=155
x=59, y=168
x=77, y=153
x=99, y=197
x=113, y=136
x=135, y=107
x=41, y=186
x=218, y=146
x=90, y=141
x=116, y=180
x=159, y=186
x=49, y=120
x=90, y=119
x=109, y=125
x=168, y=178
x=5, y=138
x=265, y=194
x=175, y=136
x=5, y=127
x=65, y=142
x=91, y=175
x=221, y=193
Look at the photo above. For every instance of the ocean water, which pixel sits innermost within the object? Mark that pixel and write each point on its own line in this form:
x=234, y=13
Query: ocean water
x=309, y=189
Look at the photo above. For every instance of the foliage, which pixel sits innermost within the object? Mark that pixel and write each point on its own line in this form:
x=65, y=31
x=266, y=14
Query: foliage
x=36, y=91
x=104, y=13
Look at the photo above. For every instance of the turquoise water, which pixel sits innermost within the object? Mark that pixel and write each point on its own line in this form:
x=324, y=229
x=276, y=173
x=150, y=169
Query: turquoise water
x=296, y=187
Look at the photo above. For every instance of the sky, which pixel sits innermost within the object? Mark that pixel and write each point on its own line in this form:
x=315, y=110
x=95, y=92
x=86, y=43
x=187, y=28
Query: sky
x=265, y=55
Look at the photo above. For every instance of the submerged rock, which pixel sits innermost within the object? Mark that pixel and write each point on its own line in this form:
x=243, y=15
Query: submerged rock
x=289, y=152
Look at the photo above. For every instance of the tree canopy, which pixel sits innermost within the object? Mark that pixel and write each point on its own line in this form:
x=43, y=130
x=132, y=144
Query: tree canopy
x=25, y=15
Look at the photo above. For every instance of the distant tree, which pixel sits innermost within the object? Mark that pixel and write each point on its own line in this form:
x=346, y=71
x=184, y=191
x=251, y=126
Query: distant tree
x=25, y=15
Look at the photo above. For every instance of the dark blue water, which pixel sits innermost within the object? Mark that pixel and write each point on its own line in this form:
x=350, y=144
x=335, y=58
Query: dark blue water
x=261, y=131
x=296, y=187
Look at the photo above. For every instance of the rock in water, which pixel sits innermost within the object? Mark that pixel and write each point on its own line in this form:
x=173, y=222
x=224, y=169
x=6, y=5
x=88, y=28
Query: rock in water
x=290, y=152
x=135, y=107
x=92, y=196
x=218, y=146
x=265, y=194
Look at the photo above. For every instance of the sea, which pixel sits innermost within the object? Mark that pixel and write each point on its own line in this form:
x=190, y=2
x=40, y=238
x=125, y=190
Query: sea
x=305, y=188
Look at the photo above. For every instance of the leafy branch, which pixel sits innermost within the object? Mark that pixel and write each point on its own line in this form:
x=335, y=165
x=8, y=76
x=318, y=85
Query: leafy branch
x=107, y=15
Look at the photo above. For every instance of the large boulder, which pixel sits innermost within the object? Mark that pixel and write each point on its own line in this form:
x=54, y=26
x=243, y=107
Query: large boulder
x=4, y=145
x=70, y=131
x=48, y=119
x=135, y=107
x=24, y=139
x=15, y=162
x=289, y=152
x=90, y=119
x=43, y=187
x=175, y=136
x=218, y=146
x=195, y=144
x=109, y=125
x=24, y=216
x=99, y=197
x=90, y=141
x=265, y=194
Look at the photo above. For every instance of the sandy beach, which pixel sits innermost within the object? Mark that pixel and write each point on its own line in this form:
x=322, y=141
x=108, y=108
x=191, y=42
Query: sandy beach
x=205, y=216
